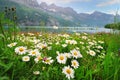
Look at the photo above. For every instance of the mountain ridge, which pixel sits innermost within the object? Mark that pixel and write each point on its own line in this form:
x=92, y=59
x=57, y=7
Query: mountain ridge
x=31, y=16
x=68, y=15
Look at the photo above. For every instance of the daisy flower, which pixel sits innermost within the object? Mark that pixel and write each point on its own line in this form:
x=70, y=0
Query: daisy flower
x=12, y=44
x=99, y=47
x=78, y=34
x=84, y=37
x=25, y=58
x=57, y=52
x=76, y=54
x=85, y=33
x=36, y=72
x=40, y=35
x=41, y=46
x=38, y=58
x=82, y=43
x=68, y=41
x=34, y=52
x=30, y=34
x=92, y=53
x=91, y=43
x=73, y=42
x=101, y=42
x=48, y=60
x=57, y=43
x=69, y=72
x=49, y=48
x=66, y=35
x=21, y=50
x=36, y=41
x=75, y=64
x=61, y=58
x=64, y=45
x=68, y=55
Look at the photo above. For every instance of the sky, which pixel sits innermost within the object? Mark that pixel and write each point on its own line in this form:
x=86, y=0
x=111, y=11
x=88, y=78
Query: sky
x=88, y=6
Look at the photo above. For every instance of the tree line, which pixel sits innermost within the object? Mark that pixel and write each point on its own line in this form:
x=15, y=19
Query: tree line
x=113, y=26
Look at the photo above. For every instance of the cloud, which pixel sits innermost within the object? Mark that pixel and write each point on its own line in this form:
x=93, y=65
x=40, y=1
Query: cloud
x=114, y=12
x=90, y=12
x=109, y=2
x=111, y=12
x=61, y=1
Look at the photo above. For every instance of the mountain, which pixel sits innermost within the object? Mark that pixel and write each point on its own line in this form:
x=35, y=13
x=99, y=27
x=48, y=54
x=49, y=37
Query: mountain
x=31, y=13
x=29, y=3
x=96, y=18
x=66, y=13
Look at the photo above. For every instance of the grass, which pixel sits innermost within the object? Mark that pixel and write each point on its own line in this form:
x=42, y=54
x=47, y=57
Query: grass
x=103, y=66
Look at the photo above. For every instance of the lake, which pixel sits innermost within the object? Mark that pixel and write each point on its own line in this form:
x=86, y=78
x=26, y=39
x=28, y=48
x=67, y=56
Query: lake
x=64, y=29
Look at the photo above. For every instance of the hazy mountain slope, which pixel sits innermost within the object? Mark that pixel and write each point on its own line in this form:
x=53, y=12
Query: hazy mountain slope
x=96, y=18
x=29, y=15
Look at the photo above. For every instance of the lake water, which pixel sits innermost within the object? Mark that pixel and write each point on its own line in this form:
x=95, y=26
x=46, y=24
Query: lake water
x=64, y=29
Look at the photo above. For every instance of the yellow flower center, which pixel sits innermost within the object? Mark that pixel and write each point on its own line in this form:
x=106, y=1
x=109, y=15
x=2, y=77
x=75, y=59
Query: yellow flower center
x=44, y=46
x=47, y=60
x=74, y=63
x=75, y=53
x=21, y=49
x=61, y=57
x=68, y=71
x=25, y=58
x=33, y=52
x=12, y=44
x=92, y=53
x=68, y=42
x=39, y=58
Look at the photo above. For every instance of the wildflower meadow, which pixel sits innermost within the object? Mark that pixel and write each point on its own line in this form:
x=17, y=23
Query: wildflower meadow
x=57, y=56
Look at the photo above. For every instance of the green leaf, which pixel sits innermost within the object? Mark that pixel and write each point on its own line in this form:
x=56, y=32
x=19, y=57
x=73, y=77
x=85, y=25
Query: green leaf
x=3, y=65
x=6, y=67
x=2, y=36
x=4, y=78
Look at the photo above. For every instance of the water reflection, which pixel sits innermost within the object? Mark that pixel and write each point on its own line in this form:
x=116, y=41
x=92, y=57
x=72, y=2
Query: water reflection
x=64, y=29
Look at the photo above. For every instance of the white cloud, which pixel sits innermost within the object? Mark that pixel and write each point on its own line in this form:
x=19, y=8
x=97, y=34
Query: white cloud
x=90, y=12
x=111, y=12
x=61, y=1
x=109, y=2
